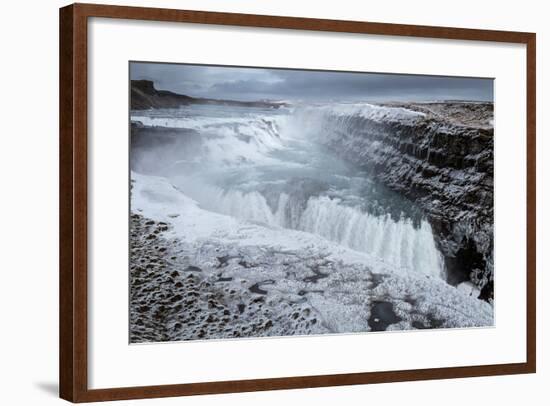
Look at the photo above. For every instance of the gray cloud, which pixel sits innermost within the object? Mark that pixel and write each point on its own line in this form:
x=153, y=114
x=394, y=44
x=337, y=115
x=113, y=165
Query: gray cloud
x=259, y=83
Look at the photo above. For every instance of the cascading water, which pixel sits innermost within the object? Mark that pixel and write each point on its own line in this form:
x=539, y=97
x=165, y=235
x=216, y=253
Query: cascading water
x=270, y=167
x=397, y=242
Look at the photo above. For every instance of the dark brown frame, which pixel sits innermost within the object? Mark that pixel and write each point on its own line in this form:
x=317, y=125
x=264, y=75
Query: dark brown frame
x=73, y=361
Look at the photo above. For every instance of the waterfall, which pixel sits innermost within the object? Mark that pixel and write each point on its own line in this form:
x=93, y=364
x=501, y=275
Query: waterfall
x=398, y=243
x=272, y=167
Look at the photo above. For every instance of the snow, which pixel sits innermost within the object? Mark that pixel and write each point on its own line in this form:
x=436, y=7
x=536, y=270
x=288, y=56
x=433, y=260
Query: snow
x=156, y=198
x=338, y=286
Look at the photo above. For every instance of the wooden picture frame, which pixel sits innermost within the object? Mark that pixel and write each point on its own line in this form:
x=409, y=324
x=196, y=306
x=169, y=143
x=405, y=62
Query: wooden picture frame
x=74, y=201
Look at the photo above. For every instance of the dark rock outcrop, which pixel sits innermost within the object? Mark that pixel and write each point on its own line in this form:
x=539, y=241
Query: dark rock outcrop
x=444, y=162
x=144, y=95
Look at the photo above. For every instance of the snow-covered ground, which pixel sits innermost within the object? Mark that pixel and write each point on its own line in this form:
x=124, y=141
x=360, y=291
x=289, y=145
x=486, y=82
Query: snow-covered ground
x=198, y=274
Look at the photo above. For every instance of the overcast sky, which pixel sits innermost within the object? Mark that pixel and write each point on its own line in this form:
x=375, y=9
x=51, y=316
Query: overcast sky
x=285, y=84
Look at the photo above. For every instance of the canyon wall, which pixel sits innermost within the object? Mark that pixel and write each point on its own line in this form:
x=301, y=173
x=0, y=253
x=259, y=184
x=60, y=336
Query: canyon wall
x=441, y=158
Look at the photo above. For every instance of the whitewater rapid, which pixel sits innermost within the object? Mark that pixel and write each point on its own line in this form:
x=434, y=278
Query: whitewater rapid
x=269, y=167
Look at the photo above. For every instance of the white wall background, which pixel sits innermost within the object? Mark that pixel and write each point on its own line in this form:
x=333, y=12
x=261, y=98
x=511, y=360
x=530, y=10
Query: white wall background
x=29, y=194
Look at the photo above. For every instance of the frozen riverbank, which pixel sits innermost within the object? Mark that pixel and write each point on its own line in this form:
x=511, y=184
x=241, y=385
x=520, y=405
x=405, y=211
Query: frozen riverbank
x=196, y=274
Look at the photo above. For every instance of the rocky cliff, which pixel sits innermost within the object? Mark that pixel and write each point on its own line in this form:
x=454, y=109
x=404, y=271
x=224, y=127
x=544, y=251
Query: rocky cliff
x=442, y=158
x=144, y=95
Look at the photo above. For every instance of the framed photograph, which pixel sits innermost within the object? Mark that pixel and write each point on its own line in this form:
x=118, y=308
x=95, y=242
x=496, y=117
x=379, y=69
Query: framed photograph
x=255, y=202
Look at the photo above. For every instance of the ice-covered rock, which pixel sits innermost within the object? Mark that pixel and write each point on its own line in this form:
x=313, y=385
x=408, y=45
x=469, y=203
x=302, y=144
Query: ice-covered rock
x=438, y=154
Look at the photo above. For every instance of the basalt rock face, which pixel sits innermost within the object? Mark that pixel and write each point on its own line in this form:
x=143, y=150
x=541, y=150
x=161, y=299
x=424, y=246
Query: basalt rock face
x=442, y=158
